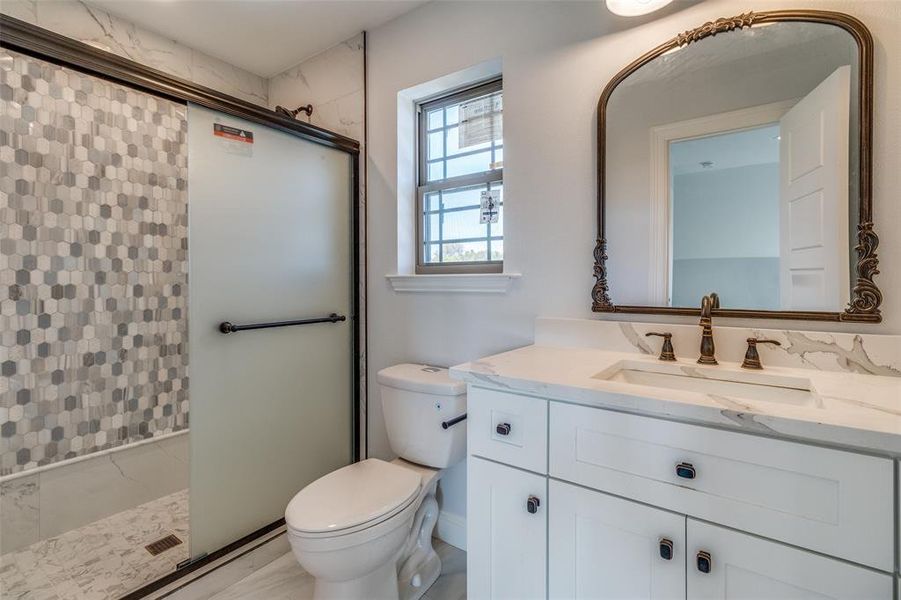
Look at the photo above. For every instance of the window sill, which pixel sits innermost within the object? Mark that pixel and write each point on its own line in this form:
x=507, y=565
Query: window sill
x=456, y=283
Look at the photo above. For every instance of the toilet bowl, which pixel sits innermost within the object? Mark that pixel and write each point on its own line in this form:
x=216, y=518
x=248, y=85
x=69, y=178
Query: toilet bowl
x=364, y=531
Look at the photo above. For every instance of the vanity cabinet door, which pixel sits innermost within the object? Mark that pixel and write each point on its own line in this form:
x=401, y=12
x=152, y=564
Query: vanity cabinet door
x=506, y=532
x=736, y=566
x=606, y=548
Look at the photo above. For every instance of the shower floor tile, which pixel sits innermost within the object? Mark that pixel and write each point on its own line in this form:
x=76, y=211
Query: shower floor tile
x=103, y=560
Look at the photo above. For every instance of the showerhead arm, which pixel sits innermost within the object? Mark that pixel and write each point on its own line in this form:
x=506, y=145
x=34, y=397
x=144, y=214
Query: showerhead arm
x=292, y=114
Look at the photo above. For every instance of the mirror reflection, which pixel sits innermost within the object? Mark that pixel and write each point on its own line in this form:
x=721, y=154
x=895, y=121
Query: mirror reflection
x=731, y=166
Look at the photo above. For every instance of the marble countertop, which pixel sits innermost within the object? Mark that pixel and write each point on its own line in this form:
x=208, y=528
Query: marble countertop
x=849, y=410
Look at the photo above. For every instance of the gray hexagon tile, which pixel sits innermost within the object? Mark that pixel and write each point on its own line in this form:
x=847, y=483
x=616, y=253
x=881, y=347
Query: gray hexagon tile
x=93, y=264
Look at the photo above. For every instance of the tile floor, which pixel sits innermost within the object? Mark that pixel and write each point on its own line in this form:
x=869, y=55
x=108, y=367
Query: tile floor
x=283, y=579
x=100, y=561
x=106, y=559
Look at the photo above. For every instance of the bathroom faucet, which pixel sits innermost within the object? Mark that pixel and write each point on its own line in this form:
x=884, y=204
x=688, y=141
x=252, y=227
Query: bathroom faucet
x=666, y=351
x=752, y=358
x=708, y=303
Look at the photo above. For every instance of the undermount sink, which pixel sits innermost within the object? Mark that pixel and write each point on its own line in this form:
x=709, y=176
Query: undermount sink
x=714, y=381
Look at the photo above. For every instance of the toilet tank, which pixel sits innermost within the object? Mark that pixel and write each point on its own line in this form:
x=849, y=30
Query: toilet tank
x=416, y=399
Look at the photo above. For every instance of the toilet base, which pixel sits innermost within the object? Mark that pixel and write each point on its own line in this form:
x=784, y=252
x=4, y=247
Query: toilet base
x=420, y=566
x=380, y=584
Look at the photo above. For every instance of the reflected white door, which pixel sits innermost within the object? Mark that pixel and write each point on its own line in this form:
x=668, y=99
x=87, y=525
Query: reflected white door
x=270, y=240
x=813, y=218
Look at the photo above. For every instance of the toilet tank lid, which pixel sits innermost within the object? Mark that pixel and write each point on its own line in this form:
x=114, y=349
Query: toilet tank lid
x=421, y=378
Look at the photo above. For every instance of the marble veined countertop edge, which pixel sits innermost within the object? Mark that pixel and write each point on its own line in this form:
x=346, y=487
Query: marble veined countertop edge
x=849, y=410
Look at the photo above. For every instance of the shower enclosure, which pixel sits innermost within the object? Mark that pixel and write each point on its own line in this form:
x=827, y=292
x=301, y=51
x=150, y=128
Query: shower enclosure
x=139, y=436
x=271, y=232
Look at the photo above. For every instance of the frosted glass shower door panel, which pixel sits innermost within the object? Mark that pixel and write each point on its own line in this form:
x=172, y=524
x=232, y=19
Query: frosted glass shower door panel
x=270, y=231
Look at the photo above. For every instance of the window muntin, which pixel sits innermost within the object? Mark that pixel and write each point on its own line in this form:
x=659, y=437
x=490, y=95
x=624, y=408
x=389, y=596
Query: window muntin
x=451, y=179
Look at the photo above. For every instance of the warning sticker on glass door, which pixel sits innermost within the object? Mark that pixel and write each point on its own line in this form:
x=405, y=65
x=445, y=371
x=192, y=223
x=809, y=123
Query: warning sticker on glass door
x=232, y=133
x=234, y=139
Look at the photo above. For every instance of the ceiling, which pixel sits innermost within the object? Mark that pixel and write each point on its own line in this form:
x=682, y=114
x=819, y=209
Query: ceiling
x=264, y=37
x=766, y=45
x=757, y=146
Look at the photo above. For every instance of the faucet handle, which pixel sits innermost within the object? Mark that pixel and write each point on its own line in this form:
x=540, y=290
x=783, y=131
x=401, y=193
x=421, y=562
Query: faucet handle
x=752, y=359
x=666, y=351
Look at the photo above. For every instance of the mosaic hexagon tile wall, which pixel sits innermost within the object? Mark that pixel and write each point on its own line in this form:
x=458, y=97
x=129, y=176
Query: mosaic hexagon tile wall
x=93, y=264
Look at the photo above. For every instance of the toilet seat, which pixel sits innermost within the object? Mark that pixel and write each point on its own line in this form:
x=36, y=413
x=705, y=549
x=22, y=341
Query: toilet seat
x=351, y=499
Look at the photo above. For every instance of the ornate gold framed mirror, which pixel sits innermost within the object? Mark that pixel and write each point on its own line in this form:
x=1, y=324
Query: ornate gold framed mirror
x=737, y=158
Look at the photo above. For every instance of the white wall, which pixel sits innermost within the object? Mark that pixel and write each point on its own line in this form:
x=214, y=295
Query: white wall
x=556, y=61
x=89, y=24
x=725, y=235
x=726, y=213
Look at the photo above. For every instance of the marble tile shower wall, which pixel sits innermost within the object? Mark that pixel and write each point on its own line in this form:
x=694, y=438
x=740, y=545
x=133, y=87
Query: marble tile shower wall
x=333, y=81
x=93, y=264
x=81, y=21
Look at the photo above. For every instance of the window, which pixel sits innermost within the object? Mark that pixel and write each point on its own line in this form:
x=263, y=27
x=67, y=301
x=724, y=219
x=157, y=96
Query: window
x=461, y=156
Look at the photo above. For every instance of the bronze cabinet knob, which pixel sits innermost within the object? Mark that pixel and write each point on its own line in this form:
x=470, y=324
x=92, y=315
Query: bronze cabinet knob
x=666, y=351
x=686, y=470
x=666, y=549
x=704, y=561
x=752, y=358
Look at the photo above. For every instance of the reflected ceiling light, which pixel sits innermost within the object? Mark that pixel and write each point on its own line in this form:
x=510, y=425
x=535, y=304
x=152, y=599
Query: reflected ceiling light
x=633, y=8
x=673, y=50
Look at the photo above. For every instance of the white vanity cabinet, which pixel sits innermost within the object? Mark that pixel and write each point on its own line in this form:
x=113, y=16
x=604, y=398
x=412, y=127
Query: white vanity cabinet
x=608, y=548
x=640, y=507
x=507, y=529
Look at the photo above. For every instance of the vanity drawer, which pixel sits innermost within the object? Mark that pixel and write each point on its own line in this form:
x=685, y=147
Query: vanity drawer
x=838, y=503
x=508, y=428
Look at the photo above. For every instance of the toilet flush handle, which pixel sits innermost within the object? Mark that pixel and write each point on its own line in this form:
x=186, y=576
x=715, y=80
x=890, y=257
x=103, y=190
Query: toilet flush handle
x=452, y=422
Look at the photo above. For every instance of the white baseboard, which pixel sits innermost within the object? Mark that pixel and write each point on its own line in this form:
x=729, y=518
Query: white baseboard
x=452, y=529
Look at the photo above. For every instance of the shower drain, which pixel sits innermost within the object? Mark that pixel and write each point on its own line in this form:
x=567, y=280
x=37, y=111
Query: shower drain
x=163, y=544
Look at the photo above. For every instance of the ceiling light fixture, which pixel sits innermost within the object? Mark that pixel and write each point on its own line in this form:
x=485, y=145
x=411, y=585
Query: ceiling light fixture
x=634, y=8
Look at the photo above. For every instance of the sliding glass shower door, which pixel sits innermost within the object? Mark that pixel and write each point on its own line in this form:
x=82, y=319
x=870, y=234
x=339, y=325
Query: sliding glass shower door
x=271, y=240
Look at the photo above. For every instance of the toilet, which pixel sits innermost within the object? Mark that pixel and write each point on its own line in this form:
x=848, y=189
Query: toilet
x=365, y=530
